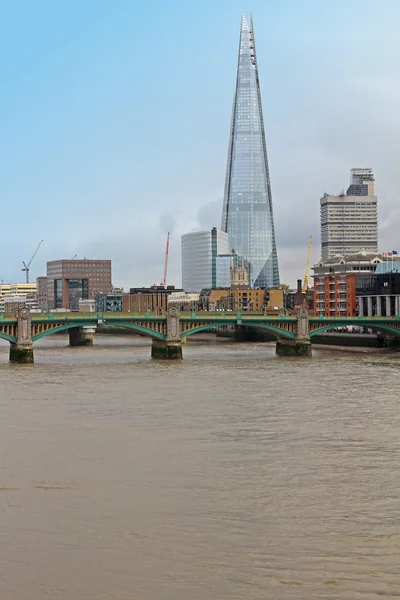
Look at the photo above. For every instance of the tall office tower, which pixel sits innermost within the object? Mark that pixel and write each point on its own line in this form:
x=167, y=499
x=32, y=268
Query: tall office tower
x=349, y=222
x=247, y=214
x=200, y=250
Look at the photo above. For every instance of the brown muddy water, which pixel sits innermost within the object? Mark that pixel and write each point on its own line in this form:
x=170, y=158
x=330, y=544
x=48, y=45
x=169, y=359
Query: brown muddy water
x=231, y=475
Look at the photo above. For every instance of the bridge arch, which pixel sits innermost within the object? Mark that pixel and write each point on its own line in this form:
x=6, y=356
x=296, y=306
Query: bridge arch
x=378, y=326
x=139, y=328
x=8, y=338
x=277, y=331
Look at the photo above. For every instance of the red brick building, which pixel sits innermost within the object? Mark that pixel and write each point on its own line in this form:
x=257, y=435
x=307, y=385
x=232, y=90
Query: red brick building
x=335, y=283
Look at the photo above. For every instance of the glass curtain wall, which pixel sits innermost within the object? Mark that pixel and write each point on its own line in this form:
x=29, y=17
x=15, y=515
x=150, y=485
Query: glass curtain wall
x=247, y=214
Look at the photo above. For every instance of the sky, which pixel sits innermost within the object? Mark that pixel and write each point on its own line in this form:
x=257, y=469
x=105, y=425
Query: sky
x=115, y=124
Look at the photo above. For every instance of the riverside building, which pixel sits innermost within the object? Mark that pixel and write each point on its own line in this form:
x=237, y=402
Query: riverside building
x=335, y=282
x=349, y=222
x=247, y=214
x=378, y=293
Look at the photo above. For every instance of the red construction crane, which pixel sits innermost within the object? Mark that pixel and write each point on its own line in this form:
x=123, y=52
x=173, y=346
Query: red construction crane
x=164, y=281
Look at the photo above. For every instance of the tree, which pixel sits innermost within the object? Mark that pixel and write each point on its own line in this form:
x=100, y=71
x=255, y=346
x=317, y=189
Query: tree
x=284, y=287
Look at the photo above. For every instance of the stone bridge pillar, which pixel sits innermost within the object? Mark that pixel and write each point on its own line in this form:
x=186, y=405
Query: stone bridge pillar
x=22, y=351
x=81, y=336
x=171, y=347
x=301, y=346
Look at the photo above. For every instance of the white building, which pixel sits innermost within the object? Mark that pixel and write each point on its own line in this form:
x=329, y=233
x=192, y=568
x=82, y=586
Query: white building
x=179, y=298
x=22, y=293
x=199, y=258
x=349, y=222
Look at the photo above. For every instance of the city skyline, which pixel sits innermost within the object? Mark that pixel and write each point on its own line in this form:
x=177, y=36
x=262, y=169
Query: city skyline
x=123, y=168
x=247, y=213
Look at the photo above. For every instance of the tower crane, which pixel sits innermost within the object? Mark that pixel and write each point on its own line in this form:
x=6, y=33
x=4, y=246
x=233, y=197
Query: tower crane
x=164, y=281
x=26, y=266
x=305, y=281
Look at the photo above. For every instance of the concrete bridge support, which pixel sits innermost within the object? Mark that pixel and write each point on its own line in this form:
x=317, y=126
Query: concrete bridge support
x=171, y=348
x=81, y=336
x=163, y=350
x=22, y=350
x=301, y=346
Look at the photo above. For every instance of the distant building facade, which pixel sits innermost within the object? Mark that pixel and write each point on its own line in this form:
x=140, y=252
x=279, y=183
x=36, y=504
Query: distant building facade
x=200, y=250
x=147, y=299
x=246, y=299
x=69, y=281
x=297, y=298
x=109, y=302
x=378, y=294
x=349, y=222
x=41, y=287
x=20, y=293
x=335, y=283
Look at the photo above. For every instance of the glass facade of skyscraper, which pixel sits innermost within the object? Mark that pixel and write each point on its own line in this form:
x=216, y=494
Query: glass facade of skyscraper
x=247, y=214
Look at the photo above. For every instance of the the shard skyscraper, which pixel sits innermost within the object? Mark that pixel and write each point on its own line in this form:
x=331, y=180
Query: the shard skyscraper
x=247, y=214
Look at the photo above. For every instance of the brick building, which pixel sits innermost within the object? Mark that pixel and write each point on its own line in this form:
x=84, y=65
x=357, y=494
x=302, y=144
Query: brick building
x=335, y=283
x=147, y=299
x=69, y=281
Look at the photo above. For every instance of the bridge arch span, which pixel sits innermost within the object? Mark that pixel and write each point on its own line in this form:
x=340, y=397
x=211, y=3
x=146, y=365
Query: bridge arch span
x=139, y=328
x=8, y=338
x=277, y=331
x=379, y=327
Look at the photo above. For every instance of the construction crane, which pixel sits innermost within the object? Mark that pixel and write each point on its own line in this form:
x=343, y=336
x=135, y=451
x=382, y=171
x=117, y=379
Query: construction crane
x=26, y=266
x=305, y=281
x=164, y=281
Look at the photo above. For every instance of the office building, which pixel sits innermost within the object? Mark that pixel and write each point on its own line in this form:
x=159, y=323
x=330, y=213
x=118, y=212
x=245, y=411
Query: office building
x=69, y=281
x=247, y=214
x=200, y=250
x=349, y=222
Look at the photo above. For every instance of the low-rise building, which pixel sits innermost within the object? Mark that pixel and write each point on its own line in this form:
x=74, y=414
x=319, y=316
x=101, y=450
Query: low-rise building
x=298, y=298
x=335, y=283
x=109, y=302
x=13, y=303
x=248, y=299
x=378, y=294
x=147, y=299
x=184, y=300
x=23, y=294
x=87, y=306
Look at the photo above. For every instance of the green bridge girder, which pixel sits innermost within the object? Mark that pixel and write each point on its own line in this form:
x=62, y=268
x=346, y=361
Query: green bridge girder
x=203, y=321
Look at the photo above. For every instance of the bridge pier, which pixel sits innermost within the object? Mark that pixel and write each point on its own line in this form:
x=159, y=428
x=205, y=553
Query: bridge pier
x=301, y=346
x=21, y=351
x=81, y=336
x=171, y=347
x=164, y=350
x=293, y=347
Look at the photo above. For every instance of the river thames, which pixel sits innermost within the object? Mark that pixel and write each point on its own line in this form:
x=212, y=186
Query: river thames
x=231, y=475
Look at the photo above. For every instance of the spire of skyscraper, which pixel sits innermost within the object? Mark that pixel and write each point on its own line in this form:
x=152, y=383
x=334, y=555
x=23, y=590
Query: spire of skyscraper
x=247, y=214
